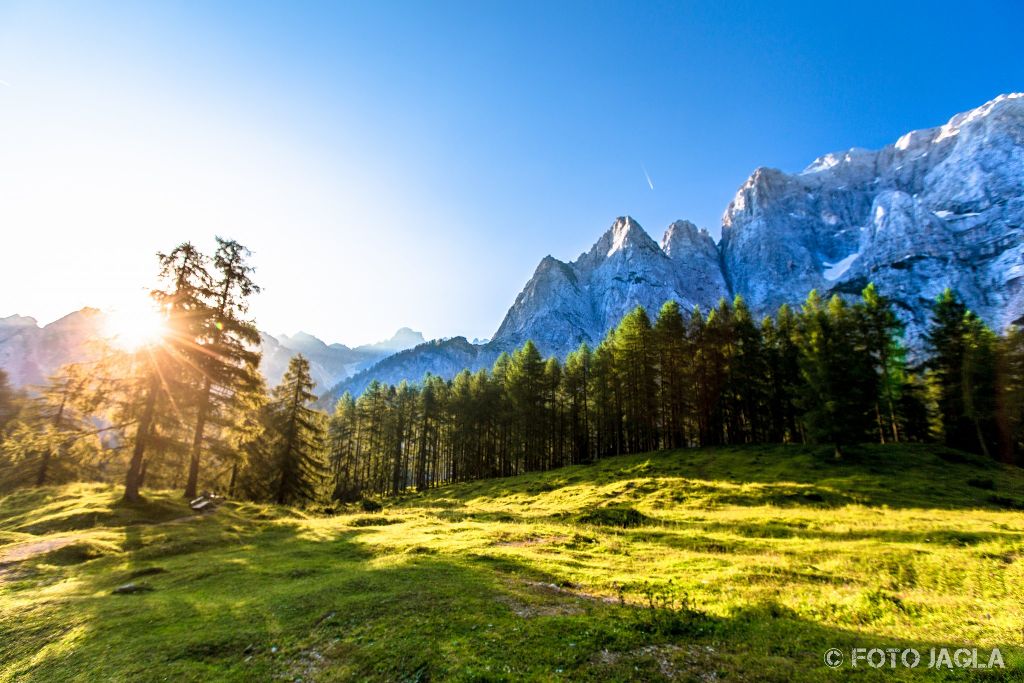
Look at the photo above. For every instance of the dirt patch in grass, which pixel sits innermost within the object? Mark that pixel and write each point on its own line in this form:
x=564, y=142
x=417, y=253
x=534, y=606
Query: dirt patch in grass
x=530, y=599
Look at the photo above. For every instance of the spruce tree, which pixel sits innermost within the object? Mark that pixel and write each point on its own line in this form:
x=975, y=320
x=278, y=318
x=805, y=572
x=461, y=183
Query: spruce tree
x=298, y=433
x=839, y=384
x=670, y=345
x=634, y=357
x=947, y=348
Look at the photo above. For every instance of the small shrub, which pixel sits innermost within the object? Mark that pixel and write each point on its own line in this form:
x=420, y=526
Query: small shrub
x=76, y=553
x=374, y=521
x=370, y=505
x=622, y=517
x=668, y=611
x=1008, y=503
x=146, y=571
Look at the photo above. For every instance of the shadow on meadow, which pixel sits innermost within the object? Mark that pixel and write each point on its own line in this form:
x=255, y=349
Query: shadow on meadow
x=232, y=599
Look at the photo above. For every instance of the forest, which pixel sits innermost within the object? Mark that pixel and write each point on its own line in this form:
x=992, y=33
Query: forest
x=191, y=411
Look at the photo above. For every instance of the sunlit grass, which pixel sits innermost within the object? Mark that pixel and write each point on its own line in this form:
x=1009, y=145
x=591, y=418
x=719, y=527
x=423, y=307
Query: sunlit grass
x=776, y=553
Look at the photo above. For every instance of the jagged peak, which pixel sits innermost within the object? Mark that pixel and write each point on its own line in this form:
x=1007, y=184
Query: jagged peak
x=624, y=235
x=683, y=237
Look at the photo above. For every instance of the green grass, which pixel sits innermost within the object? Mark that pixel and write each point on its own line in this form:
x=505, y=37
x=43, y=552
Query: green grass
x=717, y=564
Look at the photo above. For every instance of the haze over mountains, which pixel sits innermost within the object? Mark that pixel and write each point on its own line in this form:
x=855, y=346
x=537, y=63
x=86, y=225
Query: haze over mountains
x=940, y=207
x=29, y=353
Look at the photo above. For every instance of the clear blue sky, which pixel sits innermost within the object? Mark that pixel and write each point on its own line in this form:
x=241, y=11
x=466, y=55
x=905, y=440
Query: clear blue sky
x=410, y=163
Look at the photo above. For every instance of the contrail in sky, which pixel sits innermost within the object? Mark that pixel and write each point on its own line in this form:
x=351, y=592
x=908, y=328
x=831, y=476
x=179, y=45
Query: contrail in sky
x=648, y=176
x=5, y=84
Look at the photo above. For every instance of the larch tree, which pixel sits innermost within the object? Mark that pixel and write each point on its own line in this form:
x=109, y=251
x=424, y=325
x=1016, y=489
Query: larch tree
x=226, y=355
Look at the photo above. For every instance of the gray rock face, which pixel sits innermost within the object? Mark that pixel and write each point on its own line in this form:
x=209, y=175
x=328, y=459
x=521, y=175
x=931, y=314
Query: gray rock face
x=940, y=207
x=565, y=304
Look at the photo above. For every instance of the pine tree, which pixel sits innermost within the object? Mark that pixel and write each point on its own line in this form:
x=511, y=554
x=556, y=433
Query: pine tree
x=947, y=347
x=298, y=433
x=634, y=358
x=9, y=404
x=670, y=345
x=748, y=378
x=575, y=387
x=979, y=382
x=1011, y=395
x=525, y=388
x=839, y=385
x=881, y=329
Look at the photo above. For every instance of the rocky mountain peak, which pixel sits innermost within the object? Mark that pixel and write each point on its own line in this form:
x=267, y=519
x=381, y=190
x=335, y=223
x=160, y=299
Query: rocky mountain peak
x=683, y=238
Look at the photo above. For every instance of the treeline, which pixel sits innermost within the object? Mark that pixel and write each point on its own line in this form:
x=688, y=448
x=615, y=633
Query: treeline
x=191, y=411
x=830, y=373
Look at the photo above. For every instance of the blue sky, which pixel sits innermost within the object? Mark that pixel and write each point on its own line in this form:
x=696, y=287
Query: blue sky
x=410, y=163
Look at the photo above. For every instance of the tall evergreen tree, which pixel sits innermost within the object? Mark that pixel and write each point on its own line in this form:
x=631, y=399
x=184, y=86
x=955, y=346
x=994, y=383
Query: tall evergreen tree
x=839, y=383
x=634, y=362
x=947, y=347
x=980, y=385
x=881, y=329
x=670, y=343
x=298, y=433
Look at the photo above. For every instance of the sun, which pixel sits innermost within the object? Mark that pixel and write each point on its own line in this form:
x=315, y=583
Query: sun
x=135, y=326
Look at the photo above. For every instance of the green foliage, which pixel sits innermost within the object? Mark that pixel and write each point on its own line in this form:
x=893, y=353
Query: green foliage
x=294, y=439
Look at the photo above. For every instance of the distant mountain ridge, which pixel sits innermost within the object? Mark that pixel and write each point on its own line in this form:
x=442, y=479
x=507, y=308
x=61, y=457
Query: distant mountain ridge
x=940, y=207
x=329, y=363
x=30, y=353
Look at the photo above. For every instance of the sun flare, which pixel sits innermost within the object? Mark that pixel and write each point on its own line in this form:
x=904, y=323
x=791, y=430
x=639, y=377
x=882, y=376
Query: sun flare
x=133, y=327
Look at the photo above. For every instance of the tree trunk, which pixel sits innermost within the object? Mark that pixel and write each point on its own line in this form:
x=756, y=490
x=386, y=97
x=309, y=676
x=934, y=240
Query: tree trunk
x=44, y=465
x=192, y=485
x=133, y=478
x=981, y=438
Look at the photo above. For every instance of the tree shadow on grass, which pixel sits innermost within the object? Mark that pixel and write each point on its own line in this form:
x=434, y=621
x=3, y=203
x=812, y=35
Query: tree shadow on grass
x=250, y=602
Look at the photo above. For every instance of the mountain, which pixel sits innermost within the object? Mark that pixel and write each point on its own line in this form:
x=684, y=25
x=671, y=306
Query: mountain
x=565, y=304
x=329, y=364
x=30, y=353
x=940, y=207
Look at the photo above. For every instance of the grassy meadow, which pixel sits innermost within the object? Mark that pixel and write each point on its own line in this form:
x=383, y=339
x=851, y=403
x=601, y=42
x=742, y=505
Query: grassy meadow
x=705, y=565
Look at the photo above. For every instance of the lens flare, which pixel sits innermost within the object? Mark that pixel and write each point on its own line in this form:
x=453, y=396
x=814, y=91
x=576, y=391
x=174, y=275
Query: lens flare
x=136, y=326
